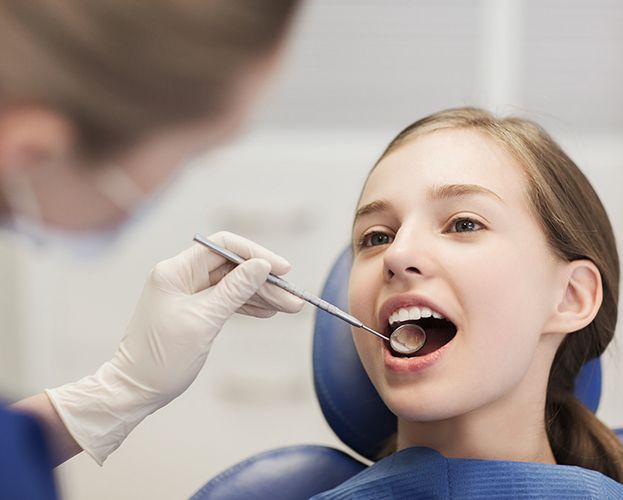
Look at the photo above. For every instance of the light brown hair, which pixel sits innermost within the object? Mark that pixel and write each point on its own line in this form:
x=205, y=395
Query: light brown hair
x=577, y=227
x=122, y=68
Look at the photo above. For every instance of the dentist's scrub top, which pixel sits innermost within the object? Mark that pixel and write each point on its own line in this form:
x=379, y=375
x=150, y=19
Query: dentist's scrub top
x=423, y=473
x=25, y=464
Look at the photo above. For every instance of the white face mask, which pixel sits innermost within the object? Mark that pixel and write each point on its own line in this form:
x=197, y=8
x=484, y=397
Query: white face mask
x=113, y=182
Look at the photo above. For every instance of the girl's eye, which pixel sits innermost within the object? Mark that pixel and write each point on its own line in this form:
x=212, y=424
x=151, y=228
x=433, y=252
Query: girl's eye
x=375, y=238
x=464, y=225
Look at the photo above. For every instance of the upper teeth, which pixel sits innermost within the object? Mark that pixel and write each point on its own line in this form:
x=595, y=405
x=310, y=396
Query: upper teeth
x=410, y=313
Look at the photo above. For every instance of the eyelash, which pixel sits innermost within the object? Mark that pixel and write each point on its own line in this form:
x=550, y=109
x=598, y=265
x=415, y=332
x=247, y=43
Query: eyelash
x=363, y=241
x=460, y=218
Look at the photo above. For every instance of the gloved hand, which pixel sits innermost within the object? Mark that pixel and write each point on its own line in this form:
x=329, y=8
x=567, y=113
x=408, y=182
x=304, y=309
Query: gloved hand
x=183, y=306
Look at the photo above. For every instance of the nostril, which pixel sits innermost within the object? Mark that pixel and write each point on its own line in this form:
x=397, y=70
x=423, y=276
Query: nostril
x=413, y=270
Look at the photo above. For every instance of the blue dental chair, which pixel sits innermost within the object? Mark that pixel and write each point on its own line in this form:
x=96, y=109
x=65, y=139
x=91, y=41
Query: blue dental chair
x=352, y=408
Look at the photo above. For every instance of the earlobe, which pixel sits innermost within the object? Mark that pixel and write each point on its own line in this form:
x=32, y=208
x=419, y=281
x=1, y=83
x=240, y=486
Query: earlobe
x=581, y=298
x=31, y=136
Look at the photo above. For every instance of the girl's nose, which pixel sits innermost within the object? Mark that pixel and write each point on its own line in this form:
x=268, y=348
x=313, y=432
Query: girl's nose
x=403, y=258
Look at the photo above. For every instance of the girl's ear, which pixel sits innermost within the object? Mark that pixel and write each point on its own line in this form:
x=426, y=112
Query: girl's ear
x=581, y=297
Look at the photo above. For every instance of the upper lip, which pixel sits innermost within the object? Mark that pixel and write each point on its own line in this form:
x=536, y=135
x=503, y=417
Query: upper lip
x=408, y=300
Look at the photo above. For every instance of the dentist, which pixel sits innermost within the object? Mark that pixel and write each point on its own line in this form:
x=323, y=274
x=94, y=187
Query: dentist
x=100, y=103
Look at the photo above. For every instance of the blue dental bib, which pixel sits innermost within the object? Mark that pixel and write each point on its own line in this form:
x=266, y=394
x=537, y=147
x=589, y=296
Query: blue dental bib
x=422, y=473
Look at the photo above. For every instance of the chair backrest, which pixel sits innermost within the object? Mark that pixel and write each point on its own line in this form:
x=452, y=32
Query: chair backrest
x=349, y=401
x=292, y=472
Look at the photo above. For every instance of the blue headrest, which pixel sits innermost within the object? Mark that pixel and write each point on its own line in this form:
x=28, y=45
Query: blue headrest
x=348, y=399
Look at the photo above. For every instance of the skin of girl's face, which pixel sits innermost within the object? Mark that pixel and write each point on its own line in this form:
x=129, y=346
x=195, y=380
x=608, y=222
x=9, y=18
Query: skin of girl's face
x=479, y=256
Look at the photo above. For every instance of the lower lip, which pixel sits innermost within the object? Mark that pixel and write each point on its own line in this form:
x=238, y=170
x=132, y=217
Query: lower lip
x=413, y=364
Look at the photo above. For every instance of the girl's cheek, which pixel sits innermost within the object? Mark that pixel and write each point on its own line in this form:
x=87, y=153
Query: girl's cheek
x=357, y=292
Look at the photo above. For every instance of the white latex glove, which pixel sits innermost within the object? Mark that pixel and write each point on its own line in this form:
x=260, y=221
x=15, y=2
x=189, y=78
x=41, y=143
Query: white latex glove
x=183, y=306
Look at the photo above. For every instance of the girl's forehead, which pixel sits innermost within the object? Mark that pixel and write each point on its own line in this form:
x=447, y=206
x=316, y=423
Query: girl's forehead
x=446, y=157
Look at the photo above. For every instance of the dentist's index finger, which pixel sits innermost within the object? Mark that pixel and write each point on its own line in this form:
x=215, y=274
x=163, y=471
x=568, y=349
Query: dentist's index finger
x=248, y=249
x=198, y=267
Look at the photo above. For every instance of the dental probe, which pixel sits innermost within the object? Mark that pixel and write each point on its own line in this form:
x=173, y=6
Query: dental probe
x=289, y=287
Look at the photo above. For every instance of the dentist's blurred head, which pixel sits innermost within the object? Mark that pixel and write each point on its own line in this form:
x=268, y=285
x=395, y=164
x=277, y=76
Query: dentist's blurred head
x=100, y=102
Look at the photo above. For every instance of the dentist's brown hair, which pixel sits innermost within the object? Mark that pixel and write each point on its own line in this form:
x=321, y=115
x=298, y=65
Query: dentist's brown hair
x=577, y=227
x=120, y=69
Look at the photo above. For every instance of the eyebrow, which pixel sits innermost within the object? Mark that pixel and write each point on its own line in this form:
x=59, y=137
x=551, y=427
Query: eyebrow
x=371, y=208
x=440, y=192
x=448, y=191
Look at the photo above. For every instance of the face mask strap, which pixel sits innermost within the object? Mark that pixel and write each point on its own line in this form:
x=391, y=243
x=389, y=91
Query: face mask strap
x=120, y=188
x=26, y=215
x=21, y=198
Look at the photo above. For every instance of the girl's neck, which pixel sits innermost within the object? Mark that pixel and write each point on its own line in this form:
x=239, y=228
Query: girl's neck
x=496, y=432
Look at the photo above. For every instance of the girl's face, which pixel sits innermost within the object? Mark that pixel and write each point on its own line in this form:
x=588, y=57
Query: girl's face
x=444, y=224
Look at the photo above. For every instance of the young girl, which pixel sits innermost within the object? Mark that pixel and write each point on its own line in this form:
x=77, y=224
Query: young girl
x=484, y=232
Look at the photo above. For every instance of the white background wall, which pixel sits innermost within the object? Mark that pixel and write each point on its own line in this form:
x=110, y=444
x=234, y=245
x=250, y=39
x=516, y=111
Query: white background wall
x=354, y=74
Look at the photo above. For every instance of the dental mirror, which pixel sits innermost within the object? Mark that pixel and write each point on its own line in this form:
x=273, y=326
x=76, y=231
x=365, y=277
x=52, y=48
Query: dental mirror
x=407, y=339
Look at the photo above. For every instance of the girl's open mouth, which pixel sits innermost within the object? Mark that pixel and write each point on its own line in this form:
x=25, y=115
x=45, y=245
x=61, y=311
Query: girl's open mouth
x=439, y=331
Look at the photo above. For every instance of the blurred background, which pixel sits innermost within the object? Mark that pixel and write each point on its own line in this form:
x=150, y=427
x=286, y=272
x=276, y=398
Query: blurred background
x=355, y=73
